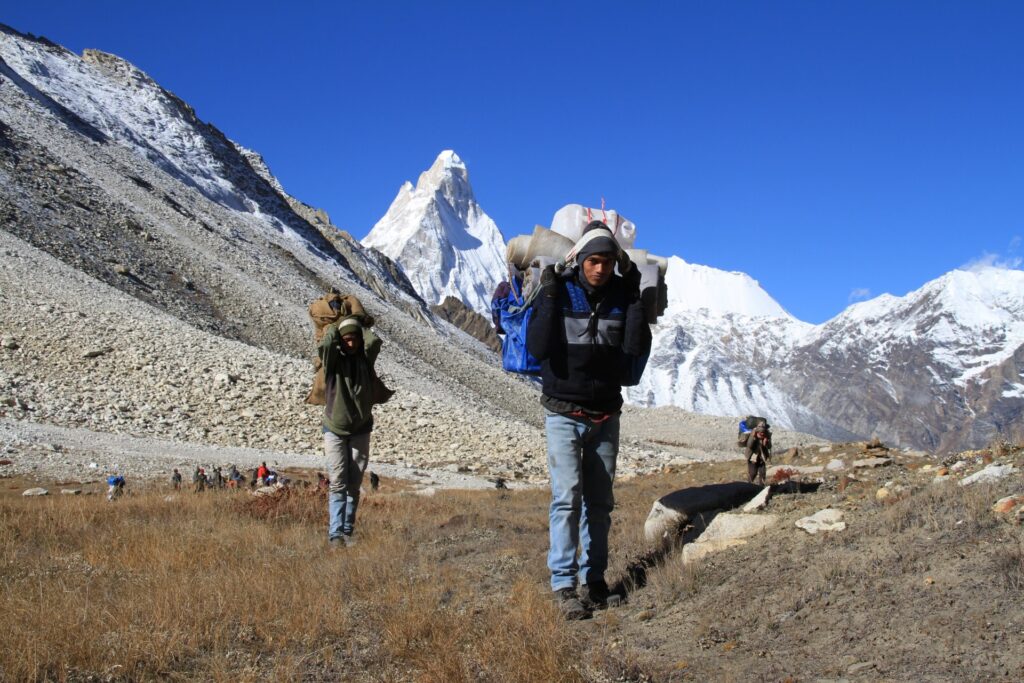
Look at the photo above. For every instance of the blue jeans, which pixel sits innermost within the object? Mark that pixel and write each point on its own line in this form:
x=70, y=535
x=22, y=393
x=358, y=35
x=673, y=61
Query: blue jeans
x=346, y=459
x=581, y=463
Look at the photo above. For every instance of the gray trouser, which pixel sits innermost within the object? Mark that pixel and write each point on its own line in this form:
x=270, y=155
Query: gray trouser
x=346, y=458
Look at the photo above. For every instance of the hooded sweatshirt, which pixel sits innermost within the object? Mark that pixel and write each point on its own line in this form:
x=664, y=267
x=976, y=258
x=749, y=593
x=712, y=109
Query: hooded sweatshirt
x=349, y=380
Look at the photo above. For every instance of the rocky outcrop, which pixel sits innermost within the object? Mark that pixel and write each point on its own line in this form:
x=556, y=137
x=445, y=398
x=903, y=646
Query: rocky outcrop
x=467, y=320
x=673, y=511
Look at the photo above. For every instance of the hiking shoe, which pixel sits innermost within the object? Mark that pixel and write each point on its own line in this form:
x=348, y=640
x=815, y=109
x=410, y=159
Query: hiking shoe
x=570, y=606
x=595, y=595
x=348, y=540
x=336, y=543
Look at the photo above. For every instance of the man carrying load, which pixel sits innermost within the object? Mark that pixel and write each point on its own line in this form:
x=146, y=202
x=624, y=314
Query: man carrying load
x=591, y=336
x=755, y=438
x=347, y=352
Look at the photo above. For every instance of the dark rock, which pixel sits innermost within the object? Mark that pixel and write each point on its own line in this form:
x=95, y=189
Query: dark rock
x=468, y=320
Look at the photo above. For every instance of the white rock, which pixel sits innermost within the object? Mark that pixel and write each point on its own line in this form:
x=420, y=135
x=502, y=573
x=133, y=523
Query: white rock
x=35, y=492
x=825, y=449
x=991, y=473
x=71, y=492
x=835, y=465
x=959, y=465
x=661, y=520
x=822, y=520
x=727, y=530
x=693, y=552
x=758, y=502
x=428, y=492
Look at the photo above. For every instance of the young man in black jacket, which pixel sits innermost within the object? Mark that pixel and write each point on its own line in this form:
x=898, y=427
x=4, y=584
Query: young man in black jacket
x=589, y=332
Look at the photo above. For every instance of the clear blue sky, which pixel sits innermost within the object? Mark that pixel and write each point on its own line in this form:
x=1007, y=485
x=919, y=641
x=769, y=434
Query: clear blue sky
x=832, y=150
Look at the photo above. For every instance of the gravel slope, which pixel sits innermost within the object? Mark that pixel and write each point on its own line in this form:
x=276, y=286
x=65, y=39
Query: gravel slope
x=80, y=353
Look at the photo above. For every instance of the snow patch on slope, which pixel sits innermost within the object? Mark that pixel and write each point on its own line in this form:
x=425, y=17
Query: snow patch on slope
x=126, y=105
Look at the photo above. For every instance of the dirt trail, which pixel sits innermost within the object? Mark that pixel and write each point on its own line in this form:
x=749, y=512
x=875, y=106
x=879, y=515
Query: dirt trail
x=44, y=452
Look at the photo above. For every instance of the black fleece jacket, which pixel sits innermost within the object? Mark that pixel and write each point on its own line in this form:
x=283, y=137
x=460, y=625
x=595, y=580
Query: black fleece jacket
x=588, y=373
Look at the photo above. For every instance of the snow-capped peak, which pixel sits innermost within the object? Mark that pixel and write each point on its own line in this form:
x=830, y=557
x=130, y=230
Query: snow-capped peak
x=448, y=159
x=975, y=299
x=692, y=287
x=441, y=237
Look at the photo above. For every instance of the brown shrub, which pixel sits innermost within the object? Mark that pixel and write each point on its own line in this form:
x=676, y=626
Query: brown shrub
x=783, y=474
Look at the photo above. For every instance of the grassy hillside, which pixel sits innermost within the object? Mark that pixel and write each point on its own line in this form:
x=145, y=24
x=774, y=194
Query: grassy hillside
x=922, y=586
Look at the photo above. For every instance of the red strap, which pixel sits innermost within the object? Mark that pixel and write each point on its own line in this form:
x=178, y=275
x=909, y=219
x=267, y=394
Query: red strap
x=594, y=419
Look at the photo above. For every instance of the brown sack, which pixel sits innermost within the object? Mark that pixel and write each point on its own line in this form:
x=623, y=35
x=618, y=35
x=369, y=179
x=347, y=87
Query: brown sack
x=322, y=315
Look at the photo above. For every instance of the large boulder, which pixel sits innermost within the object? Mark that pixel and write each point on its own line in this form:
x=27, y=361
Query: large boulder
x=871, y=463
x=989, y=474
x=726, y=530
x=673, y=511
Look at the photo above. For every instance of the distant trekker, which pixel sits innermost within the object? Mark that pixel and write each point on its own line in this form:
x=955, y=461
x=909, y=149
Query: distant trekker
x=757, y=447
x=176, y=480
x=115, y=486
x=218, y=478
x=348, y=351
x=262, y=472
x=199, y=480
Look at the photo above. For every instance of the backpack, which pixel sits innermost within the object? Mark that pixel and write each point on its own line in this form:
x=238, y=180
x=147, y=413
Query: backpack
x=748, y=423
x=332, y=307
x=511, y=312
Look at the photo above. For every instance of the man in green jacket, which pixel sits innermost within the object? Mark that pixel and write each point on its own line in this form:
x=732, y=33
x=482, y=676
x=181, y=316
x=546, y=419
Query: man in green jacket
x=348, y=352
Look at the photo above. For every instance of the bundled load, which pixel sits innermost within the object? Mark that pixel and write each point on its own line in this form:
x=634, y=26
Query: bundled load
x=754, y=427
x=528, y=255
x=325, y=311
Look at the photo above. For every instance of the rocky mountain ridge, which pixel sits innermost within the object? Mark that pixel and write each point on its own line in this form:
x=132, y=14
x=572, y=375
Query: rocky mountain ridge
x=158, y=288
x=918, y=371
x=195, y=232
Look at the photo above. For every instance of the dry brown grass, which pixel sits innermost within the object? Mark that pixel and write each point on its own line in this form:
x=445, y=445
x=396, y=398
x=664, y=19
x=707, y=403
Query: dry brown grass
x=228, y=587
